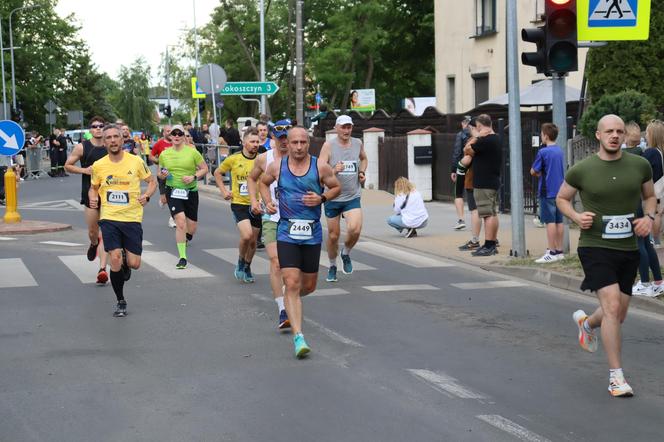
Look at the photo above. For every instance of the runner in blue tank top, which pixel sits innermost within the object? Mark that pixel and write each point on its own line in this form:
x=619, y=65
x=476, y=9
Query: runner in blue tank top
x=300, y=179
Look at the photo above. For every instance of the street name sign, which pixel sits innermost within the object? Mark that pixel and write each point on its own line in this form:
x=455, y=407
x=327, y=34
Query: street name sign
x=12, y=138
x=609, y=20
x=250, y=88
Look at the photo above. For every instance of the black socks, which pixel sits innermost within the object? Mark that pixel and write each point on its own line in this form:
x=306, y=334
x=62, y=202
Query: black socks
x=117, y=281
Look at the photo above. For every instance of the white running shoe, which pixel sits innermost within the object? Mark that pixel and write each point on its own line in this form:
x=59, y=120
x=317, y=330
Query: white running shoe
x=171, y=222
x=587, y=341
x=618, y=387
x=642, y=289
x=460, y=225
x=559, y=256
x=656, y=290
x=538, y=223
x=547, y=258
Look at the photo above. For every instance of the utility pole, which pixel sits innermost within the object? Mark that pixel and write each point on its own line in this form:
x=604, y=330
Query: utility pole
x=2, y=67
x=11, y=50
x=168, y=86
x=559, y=102
x=198, y=106
x=299, y=63
x=262, y=44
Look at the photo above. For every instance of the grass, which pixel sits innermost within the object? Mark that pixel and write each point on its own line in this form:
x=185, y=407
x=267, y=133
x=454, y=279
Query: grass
x=569, y=265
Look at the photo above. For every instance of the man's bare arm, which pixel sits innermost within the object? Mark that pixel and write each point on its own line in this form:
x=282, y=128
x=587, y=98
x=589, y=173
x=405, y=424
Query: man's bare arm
x=75, y=157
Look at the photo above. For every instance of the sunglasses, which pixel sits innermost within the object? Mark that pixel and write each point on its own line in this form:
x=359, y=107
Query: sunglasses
x=177, y=133
x=96, y=126
x=282, y=128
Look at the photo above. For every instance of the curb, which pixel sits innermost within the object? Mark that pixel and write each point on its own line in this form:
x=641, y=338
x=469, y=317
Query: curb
x=32, y=227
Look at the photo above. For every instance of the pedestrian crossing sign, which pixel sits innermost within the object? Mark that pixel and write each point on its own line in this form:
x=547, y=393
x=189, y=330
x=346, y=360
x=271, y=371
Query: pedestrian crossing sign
x=608, y=20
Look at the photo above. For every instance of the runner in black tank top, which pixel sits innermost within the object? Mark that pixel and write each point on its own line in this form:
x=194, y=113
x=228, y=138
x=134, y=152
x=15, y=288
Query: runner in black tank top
x=87, y=153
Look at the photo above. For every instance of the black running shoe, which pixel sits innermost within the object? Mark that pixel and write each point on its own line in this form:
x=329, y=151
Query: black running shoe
x=126, y=271
x=485, y=251
x=260, y=244
x=182, y=263
x=92, y=252
x=120, y=309
x=470, y=245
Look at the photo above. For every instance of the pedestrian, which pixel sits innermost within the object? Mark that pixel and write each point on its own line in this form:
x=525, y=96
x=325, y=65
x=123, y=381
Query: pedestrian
x=653, y=153
x=215, y=132
x=549, y=167
x=410, y=213
x=53, y=145
x=128, y=143
x=459, y=142
x=231, y=134
x=610, y=185
x=5, y=163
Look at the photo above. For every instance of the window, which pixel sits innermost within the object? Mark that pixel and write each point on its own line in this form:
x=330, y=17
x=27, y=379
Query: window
x=481, y=88
x=485, y=18
x=451, y=95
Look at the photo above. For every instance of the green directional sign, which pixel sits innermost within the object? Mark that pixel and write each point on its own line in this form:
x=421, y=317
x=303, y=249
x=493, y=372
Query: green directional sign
x=250, y=88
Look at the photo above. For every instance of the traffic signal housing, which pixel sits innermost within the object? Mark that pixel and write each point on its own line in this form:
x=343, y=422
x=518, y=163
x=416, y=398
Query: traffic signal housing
x=538, y=58
x=168, y=111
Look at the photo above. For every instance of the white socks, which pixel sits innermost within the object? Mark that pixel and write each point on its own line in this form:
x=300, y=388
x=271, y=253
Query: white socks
x=280, y=303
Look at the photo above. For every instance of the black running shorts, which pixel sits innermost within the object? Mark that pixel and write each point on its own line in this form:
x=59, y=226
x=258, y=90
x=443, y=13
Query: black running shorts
x=122, y=235
x=459, y=184
x=242, y=212
x=188, y=206
x=603, y=267
x=305, y=257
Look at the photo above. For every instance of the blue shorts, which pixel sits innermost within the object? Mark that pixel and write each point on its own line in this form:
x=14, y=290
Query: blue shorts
x=122, y=235
x=549, y=212
x=336, y=208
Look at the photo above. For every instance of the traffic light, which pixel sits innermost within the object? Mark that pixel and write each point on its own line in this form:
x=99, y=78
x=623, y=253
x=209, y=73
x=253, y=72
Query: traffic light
x=201, y=106
x=167, y=111
x=557, y=45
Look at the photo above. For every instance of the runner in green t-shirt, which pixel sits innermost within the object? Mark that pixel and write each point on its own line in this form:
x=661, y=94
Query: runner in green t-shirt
x=610, y=185
x=182, y=166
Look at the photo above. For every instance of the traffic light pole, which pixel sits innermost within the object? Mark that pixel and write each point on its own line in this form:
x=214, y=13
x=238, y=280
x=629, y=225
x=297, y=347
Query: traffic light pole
x=559, y=103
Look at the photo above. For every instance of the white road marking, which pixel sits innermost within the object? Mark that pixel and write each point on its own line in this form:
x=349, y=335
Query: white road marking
x=7, y=238
x=13, y=273
x=399, y=288
x=259, y=266
x=165, y=263
x=146, y=243
x=61, y=243
x=512, y=428
x=488, y=284
x=325, y=262
x=53, y=205
x=401, y=256
x=79, y=265
x=328, y=292
x=446, y=384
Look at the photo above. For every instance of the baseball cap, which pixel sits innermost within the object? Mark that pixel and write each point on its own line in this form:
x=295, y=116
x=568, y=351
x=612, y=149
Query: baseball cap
x=467, y=118
x=344, y=119
x=280, y=128
x=177, y=127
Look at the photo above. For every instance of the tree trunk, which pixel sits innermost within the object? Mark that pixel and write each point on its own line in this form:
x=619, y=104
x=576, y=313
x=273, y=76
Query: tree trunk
x=370, y=70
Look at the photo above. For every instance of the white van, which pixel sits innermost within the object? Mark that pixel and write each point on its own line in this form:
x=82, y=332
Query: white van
x=75, y=135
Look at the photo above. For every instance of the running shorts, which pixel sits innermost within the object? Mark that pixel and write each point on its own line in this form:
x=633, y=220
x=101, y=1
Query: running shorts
x=269, y=231
x=336, y=208
x=458, y=186
x=305, y=257
x=188, y=206
x=603, y=267
x=242, y=212
x=122, y=235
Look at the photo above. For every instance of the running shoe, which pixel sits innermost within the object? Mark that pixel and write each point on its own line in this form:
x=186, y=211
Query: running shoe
x=102, y=276
x=126, y=271
x=171, y=222
x=460, y=225
x=618, y=387
x=587, y=341
x=411, y=233
x=347, y=267
x=284, y=322
x=547, y=258
x=656, y=290
x=182, y=263
x=239, y=270
x=485, y=251
x=248, y=276
x=301, y=347
x=92, y=252
x=120, y=309
x=332, y=274
x=642, y=289
x=470, y=245
x=538, y=223
x=260, y=244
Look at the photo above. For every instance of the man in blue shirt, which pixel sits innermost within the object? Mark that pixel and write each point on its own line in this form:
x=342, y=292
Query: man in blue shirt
x=549, y=166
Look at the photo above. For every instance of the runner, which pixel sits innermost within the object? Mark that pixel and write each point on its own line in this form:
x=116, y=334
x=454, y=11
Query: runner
x=270, y=221
x=346, y=156
x=87, y=153
x=161, y=145
x=300, y=178
x=240, y=165
x=610, y=185
x=117, y=179
x=265, y=143
x=181, y=167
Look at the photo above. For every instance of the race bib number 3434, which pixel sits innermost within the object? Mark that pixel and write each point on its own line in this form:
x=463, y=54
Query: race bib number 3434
x=117, y=198
x=617, y=226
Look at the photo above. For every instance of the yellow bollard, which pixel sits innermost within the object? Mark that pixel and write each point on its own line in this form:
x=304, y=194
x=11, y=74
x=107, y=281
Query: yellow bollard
x=11, y=198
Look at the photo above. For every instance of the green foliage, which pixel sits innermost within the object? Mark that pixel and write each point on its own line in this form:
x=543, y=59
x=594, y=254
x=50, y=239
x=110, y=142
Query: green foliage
x=629, y=105
x=132, y=96
x=636, y=65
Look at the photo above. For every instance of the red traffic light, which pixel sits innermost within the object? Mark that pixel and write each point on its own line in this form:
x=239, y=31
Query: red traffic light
x=562, y=23
x=560, y=2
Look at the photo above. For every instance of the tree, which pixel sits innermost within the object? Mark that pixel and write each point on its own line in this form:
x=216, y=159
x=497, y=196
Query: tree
x=629, y=105
x=132, y=98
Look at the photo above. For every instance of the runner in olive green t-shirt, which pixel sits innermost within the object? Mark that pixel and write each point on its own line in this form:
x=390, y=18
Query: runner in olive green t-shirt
x=610, y=185
x=182, y=166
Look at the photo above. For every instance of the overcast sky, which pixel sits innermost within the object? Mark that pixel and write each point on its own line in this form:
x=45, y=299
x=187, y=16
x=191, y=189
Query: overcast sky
x=119, y=31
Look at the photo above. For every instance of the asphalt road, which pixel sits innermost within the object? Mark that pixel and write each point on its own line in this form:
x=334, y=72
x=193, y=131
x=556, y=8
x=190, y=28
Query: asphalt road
x=409, y=347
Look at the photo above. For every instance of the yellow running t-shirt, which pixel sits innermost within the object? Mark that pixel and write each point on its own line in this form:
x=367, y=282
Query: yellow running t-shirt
x=119, y=187
x=240, y=167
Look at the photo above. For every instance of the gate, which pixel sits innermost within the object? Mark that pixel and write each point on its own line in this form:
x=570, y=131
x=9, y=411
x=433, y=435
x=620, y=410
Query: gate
x=392, y=161
x=443, y=146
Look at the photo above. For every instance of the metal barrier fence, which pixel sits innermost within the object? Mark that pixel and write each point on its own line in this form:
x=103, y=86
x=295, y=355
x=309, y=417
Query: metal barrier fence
x=214, y=154
x=34, y=161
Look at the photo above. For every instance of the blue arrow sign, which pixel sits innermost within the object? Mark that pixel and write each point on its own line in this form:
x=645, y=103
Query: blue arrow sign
x=12, y=138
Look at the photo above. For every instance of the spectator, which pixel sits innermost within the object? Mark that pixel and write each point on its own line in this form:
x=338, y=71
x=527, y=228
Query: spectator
x=461, y=138
x=231, y=134
x=215, y=132
x=652, y=153
x=247, y=125
x=549, y=167
x=410, y=213
x=5, y=162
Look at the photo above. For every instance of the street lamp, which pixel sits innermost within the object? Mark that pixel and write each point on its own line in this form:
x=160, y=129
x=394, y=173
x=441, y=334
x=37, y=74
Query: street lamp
x=196, y=68
x=11, y=49
x=2, y=64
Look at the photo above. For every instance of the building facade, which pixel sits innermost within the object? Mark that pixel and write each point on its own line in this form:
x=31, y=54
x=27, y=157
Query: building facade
x=471, y=51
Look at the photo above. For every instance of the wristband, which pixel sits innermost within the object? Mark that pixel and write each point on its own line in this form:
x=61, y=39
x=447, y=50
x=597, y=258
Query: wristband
x=652, y=217
x=323, y=198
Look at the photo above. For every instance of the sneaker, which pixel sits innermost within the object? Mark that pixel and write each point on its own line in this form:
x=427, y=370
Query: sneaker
x=587, y=341
x=102, y=276
x=470, y=245
x=485, y=251
x=239, y=270
x=92, y=252
x=126, y=271
x=538, y=223
x=642, y=289
x=411, y=233
x=284, y=322
x=618, y=387
x=460, y=225
x=301, y=347
x=656, y=290
x=332, y=274
x=547, y=258
x=171, y=222
x=120, y=309
x=182, y=263
x=248, y=276
x=347, y=267
x=260, y=244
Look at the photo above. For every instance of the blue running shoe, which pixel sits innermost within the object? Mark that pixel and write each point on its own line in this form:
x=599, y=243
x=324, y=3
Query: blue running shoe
x=284, y=322
x=239, y=270
x=347, y=268
x=301, y=347
x=332, y=274
x=248, y=276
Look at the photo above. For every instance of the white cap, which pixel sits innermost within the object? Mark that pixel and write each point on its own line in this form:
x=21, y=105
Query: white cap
x=344, y=119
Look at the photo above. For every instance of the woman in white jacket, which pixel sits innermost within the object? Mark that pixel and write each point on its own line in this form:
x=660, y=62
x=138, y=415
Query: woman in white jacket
x=410, y=213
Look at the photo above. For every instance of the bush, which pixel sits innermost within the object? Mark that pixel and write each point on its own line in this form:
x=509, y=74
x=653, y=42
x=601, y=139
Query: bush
x=629, y=105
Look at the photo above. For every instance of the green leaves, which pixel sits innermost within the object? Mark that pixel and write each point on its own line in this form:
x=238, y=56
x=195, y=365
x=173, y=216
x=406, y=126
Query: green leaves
x=629, y=105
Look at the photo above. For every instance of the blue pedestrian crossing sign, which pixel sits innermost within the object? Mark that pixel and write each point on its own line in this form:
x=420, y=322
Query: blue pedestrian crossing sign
x=12, y=138
x=606, y=20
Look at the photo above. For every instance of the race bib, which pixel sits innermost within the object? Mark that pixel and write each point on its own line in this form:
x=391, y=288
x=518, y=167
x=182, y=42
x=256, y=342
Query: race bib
x=244, y=189
x=301, y=229
x=180, y=194
x=350, y=168
x=617, y=226
x=117, y=198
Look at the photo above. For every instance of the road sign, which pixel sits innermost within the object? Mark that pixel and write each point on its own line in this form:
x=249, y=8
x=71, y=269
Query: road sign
x=75, y=118
x=50, y=106
x=250, y=88
x=608, y=20
x=196, y=91
x=12, y=138
x=50, y=118
x=211, y=78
